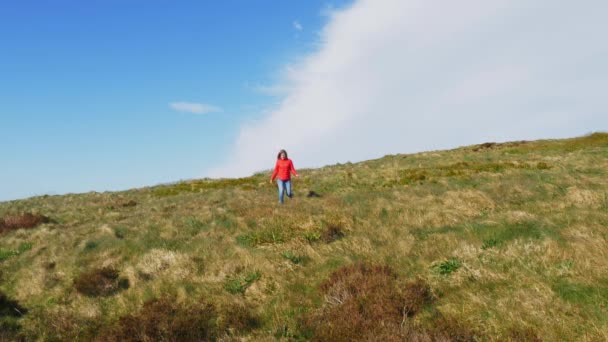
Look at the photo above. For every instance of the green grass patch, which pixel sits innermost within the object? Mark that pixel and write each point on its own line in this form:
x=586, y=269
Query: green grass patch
x=90, y=245
x=239, y=283
x=582, y=294
x=247, y=183
x=9, y=253
x=495, y=235
x=423, y=234
x=463, y=170
x=225, y=222
x=447, y=267
x=489, y=243
x=194, y=226
x=293, y=257
x=269, y=235
x=312, y=237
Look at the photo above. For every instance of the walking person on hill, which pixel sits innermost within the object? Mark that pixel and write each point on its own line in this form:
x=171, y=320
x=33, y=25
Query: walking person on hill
x=283, y=169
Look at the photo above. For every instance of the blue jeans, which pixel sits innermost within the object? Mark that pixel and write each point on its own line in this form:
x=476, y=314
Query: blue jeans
x=284, y=185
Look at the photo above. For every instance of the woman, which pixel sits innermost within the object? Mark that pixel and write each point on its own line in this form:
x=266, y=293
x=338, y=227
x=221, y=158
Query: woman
x=283, y=169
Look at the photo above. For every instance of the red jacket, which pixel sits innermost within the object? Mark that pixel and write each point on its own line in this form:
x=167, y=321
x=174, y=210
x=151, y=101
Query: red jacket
x=283, y=169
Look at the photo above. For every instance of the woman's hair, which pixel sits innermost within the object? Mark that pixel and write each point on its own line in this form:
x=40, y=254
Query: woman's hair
x=280, y=152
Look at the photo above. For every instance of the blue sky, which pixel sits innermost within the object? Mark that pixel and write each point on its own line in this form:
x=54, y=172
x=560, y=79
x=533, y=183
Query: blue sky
x=111, y=95
x=86, y=86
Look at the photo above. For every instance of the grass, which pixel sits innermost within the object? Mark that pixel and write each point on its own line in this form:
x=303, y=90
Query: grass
x=239, y=283
x=496, y=241
x=448, y=266
x=8, y=253
x=294, y=257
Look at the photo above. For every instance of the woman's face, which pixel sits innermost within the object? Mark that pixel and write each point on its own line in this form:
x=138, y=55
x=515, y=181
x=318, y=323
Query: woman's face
x=283, y=156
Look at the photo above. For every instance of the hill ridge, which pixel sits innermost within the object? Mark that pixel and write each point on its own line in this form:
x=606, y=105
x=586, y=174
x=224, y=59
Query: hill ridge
x=498, y=241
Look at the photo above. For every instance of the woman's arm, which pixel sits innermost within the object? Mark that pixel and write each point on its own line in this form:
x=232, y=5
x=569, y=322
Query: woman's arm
x=275, y=172
x=293, y=169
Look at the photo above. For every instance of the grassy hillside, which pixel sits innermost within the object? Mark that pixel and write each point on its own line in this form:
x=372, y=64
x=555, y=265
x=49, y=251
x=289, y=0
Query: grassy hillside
x=486, y=242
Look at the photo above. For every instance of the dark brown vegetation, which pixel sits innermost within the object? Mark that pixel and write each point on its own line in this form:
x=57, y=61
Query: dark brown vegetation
x=366, y=302
x=165, y=320
x=10, y=308
x=370, y=303
x=25, y=220
x=10, y=311
x=490, y=145
x=127, y=204
x=332, y=233
x=121, y=203
x=312, y=194
x=100, y=282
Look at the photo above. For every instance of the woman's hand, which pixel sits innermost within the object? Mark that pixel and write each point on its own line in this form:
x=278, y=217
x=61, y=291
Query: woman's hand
x=271, y=181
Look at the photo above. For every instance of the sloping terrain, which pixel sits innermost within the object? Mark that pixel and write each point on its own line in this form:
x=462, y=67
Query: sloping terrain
x=487, y=242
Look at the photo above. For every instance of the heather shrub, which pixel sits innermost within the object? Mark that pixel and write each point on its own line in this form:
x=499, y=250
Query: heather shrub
x=166, y=320
x=25, y=220
x=363, y=302
x=100, y=282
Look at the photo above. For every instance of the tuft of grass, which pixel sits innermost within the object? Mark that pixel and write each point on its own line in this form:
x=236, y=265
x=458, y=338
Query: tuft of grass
x=312, y=236
x=120, y=232
x=90, y=245
x=269, y=235
x=489, y=243
x=237, y=284
x=293, y=257
x=448, y=266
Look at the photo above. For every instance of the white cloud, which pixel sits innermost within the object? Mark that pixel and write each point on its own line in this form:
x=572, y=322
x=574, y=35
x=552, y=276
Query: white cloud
x=400, y=76
x=196, y=108
x=272, y=90
x=297, y=25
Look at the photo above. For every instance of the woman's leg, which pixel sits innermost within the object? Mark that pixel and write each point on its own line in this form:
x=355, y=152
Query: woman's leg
x=281, y=185
x=288, y=188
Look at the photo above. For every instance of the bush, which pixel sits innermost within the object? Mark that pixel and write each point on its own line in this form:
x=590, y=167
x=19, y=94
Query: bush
x=26, y=221
x=366, y=302
x=100, y=282
x=165, y=320
x=237, y=317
